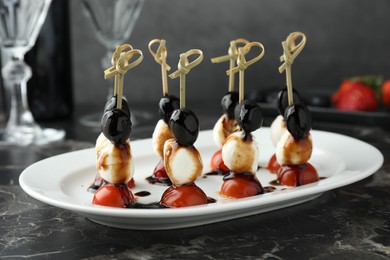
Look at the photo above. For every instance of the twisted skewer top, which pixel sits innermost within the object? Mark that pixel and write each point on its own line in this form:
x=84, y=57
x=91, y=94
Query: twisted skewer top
x=232, y=57
x=184, y=68
x=290, y=51
x=120, y=65
x=160, y=56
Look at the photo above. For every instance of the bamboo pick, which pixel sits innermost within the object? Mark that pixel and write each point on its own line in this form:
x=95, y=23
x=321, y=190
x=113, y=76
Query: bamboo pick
x=243, y=64
x=184, y=67
x=120, y=68
x=114, y=59
x=232, y=58
x=160, y=56
x=290, y=52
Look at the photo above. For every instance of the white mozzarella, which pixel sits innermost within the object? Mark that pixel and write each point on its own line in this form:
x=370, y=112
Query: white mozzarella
x=240, y=155
x=222, y=129
x=183, y=164
x=290, y=151
x=278, y=127
x=161, y=133
x=114, y=162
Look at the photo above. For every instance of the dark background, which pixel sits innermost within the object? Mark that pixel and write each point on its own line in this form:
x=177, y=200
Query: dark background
x=344, y=38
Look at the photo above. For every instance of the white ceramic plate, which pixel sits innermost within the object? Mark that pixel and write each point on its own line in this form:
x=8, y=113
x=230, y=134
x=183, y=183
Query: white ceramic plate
x=62, y=181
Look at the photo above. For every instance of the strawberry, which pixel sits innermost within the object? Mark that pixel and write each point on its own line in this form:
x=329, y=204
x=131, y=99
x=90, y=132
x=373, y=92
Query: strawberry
x=358, y=98
x=345, y=86
x=385, y=91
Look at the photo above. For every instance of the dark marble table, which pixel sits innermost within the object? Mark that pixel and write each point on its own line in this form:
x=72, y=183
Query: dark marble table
x=351, y=222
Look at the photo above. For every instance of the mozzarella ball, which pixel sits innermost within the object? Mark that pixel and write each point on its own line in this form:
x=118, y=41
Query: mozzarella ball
x=223, y=128
x=114, y=162
x=183, y=164
x=278, y=127
x=240, y=155
x=161, y=133
x=291, y=151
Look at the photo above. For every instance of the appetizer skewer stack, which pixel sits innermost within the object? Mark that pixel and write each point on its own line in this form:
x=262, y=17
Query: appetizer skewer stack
x=240, y=152
x=226, y=124
x=182, y=160
x=114, y=159
x=294, y=146
x=168, y=103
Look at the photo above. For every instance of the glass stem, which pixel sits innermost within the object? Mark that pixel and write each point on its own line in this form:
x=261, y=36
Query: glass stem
x=16, y=73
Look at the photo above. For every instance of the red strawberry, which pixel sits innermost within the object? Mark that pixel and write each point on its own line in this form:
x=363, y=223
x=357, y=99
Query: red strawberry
x=386, y=93
x=345, y=86
x=358, y=98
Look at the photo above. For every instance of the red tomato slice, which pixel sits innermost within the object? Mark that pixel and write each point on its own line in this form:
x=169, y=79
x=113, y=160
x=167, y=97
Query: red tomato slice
x=113, y=196
x=217, y=163
x=297, y=175
x=273, y=165
x=159, y=172
x=183, y=196
x=131, y=183
x=241, y=186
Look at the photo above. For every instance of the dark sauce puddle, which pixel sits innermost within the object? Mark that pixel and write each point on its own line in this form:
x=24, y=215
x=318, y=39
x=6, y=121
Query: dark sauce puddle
x=142, y=193
x=157, y=205
x=158, y=181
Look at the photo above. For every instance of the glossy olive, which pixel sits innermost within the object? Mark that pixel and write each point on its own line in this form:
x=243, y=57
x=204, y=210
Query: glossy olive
x=298, y=120
x=229, y=102
x=167, y=105
x=249, y=115
x=283, y=100
x=116, y=126
x=111, y=104
x=185, y=126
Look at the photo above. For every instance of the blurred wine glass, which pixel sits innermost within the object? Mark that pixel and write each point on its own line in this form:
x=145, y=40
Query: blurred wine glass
x=20, y=23
x=112, y=21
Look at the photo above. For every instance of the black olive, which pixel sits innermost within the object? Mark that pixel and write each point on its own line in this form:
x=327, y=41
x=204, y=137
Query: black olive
x=298, y=120
x=229, y=102
x=167, y=105
x=249, y=115
x=111, y=104
x=185, y=126
x=116, y=126
x=283, y=100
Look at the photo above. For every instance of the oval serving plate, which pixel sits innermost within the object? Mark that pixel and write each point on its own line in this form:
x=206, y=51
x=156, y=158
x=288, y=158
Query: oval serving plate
x=62, y=181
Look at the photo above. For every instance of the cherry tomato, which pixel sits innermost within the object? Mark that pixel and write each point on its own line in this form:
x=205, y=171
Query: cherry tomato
x=159, y=172
x=183, y=196
x=159, y=176
x=308, y=175
x=273, y=165
x=297, y=175
x=287, y=175
x=241, y=186
x=113, y=196
x=131, y=183
x=217, y=163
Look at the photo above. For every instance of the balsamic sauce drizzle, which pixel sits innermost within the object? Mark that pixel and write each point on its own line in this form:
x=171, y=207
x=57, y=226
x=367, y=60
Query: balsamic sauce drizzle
x=98, y=182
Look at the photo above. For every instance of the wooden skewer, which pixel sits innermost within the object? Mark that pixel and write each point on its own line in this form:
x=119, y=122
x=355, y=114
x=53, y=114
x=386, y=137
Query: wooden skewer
x=232, y=58
x=119, y=69
x=114, y=59
x=184, y=67
x=243, y=64
x=160, y=56
x=290, y=52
